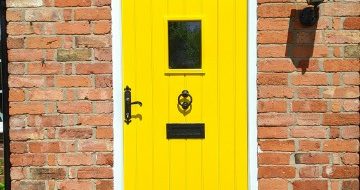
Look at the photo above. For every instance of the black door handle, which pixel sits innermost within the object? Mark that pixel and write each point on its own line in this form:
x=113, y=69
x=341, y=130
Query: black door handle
x=183, y=101
x=128, y=103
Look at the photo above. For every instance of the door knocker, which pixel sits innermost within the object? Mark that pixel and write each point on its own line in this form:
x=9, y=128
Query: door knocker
x=183, y=100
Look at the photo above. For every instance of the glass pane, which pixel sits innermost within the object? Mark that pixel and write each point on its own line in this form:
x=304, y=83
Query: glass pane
x=184, y=44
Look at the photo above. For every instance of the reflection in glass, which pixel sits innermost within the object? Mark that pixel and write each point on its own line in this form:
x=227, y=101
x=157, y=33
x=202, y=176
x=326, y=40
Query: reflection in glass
x=184, y=44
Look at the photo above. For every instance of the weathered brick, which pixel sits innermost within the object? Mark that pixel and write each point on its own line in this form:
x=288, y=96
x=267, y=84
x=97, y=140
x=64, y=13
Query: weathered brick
x=310, y=184
x=274, y=158
x=352, y=23
x=272, y=132
x=75, y=133
x=24, y=3
x=93, y=14
x=47, y=173
x=275, y=184
x=338, y=145
x=75, y=184
x=308, y=132
x=95, y=173
x=42, y=15
x=73, y=3
x=75, y=159
x=72, y=28
x=277, y=172
x=73, y=55
x=310, y=172
x=277, y=145
x=341, y=172
x=312, y=158
x=352, y=51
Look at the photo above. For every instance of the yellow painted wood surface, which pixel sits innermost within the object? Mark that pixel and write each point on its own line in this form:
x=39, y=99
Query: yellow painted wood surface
x=218, y=162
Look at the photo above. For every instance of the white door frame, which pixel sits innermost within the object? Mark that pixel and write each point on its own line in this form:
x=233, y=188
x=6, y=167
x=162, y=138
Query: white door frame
x=118, y=95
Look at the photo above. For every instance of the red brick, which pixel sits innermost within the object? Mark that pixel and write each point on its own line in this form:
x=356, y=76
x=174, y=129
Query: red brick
x=97, y=120
x=272, y=106
x=98, y=68
x=275, y=65
x=275, y=119
x=335, y=65
x=25, y=55
x=74, y=107
x=104, y=184
x=308, y=92
x=267, y=37
x=308, y=119
x=350, y=185
x=341, y=119
x=341, y=172
x=42, y=15
x=272, y=79
x=350, y=132
x=308, y=132
x=274, y=158
x=101, y=27
x=75, y=133
x=273, y=132
x=93, y=14
x=43, y=42
x=102, y=2
x=18, y=173
x=312, y=158
x=352, y=23
x=309, y=79
x=275, y=10
x=104, y=132
x=341, y=37
x=76, y=159
x=310, y=172
x=310, y=184
x=72, y=81
x=24, y=134
x=103, y=107
x=47, y=147
x=341, y=92
x=27, y=159
x=43, y=69
x=73, y=28
x=26, y=81
x=341, y=9
x=103, y=54
x=45, y=120
x=277, y=145
x=267, y=24
x=351, y=78
x=15, y=43
x=14, y=15
x=275, y=92
x=309, y=145
x=309, y=106
x=104, y=159
x=273, y=51
x=103, y=81
x=45, y=95
x=341, y=145
x=275, y=184
x=350, y=159
x=277, y=172
x=334, y=132
x=16, y=68
x=26, y=108
x=305, y=51
x=95, y=173
x=18, y=147
x=73, y=3
x=19, y=28
x=28, y=185
x=75, y=184
x=16, y=95
x=95, y=146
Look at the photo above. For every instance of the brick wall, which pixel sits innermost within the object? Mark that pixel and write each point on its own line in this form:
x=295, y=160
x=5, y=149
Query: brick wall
x=308, y=90
x=60, y=94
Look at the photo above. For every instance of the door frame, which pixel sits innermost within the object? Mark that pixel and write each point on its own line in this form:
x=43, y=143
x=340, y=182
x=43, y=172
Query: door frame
x=118, y=168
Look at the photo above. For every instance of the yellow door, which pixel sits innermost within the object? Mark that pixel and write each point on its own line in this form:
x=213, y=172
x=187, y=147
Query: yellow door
x=185, y=61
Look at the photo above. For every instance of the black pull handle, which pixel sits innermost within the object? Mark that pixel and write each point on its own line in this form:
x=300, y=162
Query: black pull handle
x=183, y=101
x=128, y=103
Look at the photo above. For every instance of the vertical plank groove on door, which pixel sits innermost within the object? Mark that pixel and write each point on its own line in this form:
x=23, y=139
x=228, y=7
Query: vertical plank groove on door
x=227, y=93
x=142, y=92
x=160, y=98
x=193, y=83
x=241, y=91
x=210, y=108
x=178, y=146
x=129, y=76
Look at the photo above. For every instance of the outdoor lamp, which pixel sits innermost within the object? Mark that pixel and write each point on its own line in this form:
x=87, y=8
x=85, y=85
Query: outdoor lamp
x=310, y=15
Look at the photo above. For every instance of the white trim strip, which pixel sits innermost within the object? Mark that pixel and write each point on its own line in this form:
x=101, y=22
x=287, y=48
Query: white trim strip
x=252, y=95
x=118, y=168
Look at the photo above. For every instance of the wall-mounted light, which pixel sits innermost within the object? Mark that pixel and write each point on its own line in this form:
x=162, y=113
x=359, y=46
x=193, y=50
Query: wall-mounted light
x=310, y=15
